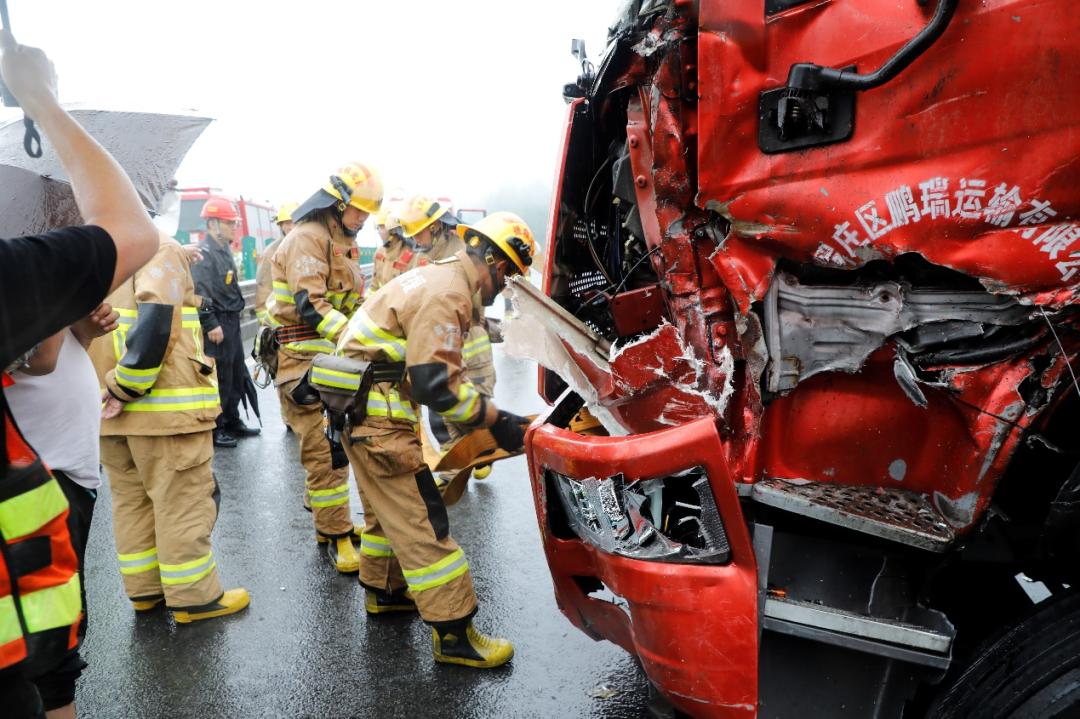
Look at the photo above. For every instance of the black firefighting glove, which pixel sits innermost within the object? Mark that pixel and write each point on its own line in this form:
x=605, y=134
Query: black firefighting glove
x=509, y=431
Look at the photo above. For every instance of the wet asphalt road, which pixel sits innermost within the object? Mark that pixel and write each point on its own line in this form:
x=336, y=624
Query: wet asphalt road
x=305, y=647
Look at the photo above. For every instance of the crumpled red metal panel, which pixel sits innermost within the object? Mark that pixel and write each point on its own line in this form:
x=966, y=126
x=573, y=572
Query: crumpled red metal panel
x=969, y=162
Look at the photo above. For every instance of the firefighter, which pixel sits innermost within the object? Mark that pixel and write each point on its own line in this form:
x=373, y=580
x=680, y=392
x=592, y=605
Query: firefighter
x=316, y=285
x=216, y=279
x=263, y=281
x=157, y=443
x=393, y=245
x=429, y=225
x=415, y=326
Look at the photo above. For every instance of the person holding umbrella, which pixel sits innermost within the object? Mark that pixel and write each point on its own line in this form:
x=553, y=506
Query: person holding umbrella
x=62, y=275
x=217, y=280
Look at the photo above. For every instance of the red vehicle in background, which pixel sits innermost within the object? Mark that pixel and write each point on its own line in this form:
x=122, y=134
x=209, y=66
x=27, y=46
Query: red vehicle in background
x=256, y=218
x=818, y=261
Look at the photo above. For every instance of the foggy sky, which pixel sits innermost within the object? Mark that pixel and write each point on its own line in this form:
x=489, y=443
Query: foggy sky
x=458, y=99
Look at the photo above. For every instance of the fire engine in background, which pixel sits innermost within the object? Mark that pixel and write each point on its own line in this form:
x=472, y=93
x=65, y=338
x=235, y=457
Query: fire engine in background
x=817, y=268
x=256, y=231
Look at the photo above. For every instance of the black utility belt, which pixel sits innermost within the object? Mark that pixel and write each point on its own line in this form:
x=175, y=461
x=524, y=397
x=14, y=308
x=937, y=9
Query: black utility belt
x=393, y=372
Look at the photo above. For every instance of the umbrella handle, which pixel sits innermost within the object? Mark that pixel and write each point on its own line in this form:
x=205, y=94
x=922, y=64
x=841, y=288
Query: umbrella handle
x=31, y=140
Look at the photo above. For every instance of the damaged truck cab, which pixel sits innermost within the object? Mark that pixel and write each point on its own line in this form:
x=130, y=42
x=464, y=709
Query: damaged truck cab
x=813, y=268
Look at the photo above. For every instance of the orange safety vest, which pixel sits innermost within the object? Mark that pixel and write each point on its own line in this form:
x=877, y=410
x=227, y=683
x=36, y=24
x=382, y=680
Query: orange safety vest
x=40, y=602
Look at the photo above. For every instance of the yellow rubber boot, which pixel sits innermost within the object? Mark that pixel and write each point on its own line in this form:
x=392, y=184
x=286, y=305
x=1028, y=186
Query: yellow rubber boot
x=145, y=605
x=343, y=554
x=231, y=602
x=378, y=602
x=460, y=643
x=481, y=472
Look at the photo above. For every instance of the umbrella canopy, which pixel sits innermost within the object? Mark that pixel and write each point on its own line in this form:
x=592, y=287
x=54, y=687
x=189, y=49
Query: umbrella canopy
x=34, y=193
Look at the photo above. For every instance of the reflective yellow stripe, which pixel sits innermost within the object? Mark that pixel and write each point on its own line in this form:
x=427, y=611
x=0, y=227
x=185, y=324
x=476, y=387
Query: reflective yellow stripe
x=137, y=379
x=188, y=572
x=332, y=497
x=321, y=346
x=261, y=315
x=334, y=378
x=467, y=404
x=282, y=293
x=53, y=607
x=375, y=546
x=126, y=316
x=336, y=299
x=369, y=334
x=139, y=562
x=389, y=405
x=331, y=324
x=435, y=575
x=177, y=399
x=189, y=317
x=30, y=511
x=476, y=347
x=9, y=620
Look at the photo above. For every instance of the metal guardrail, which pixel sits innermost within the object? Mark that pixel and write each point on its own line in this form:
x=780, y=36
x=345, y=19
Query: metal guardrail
x=249, y=323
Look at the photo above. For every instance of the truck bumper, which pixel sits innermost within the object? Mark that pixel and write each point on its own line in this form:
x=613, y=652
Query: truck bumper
x=694, y=627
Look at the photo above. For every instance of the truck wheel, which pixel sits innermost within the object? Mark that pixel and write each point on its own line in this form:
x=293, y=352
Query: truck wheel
x=1031, y=671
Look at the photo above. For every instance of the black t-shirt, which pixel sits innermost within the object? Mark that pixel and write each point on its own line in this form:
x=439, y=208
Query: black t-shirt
x=50, y=281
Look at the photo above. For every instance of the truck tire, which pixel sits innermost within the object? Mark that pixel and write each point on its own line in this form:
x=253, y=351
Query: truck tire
x=1031, y=671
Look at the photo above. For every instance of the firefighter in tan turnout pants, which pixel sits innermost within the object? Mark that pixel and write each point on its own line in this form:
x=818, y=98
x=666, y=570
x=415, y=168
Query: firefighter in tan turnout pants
x=157, y=444
x=316, y=286
x=409, y=561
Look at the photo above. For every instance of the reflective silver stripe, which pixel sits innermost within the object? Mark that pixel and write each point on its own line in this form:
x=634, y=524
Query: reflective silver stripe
x=380, y=405
x=138, y=562
x=369, y=334
x=437, y=574
x=209, y=394
x=187, y=572
x=468, y=402
x=375, y=546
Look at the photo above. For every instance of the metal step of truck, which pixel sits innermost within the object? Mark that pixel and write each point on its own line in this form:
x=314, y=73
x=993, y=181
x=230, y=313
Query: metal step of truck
x=895, y=514
x=912, y=643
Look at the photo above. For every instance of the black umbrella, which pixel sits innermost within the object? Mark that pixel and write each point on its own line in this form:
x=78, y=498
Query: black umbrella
x=36, y=196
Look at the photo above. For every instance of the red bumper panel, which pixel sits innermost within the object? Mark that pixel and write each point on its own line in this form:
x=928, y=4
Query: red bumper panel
x=694, y=627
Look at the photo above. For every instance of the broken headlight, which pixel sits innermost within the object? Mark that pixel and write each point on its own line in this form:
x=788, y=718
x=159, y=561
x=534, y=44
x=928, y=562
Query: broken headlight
x=668, y=519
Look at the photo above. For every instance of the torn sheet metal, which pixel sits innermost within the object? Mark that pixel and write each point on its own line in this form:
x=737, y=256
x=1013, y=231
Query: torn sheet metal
x=835, y=328
x=649, y=383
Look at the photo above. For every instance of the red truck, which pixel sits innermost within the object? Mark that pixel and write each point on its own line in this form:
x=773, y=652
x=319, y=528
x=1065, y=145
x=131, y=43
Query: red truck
x=819, y=263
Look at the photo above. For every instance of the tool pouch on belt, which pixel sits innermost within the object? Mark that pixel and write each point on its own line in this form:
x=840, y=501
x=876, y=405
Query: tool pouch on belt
x=343, y=386
x=265, y=351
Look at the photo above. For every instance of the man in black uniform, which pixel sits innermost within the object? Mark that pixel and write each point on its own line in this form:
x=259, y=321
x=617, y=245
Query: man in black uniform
x=216, y=280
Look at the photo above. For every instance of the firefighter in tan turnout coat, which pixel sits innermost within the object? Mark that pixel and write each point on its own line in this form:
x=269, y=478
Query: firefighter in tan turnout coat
x=316, y=286
x=161, y=401
x=433, y=228
x=419, y=320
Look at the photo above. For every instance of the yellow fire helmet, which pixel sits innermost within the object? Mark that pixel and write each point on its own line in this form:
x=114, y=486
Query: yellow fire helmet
x=506, y=231
x=419, y=212
x=381, y=215
x=358, y=185
x=284, y=213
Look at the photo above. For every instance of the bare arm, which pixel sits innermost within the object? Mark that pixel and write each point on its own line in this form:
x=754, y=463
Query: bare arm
x=43, y=361
x=103, y=192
